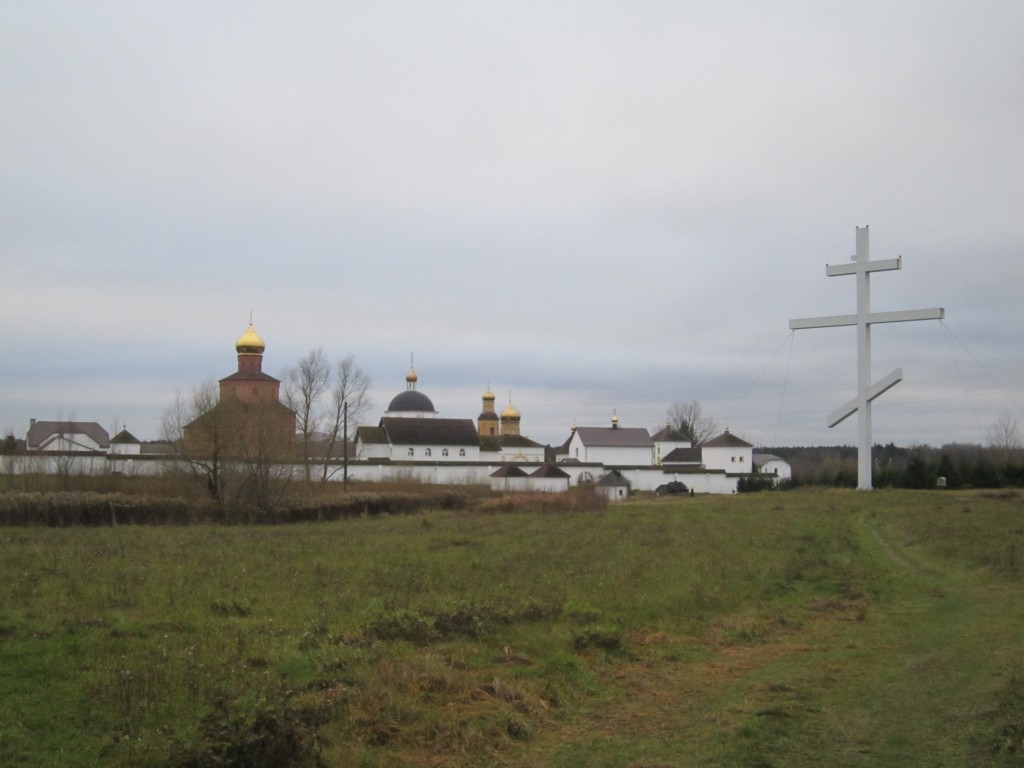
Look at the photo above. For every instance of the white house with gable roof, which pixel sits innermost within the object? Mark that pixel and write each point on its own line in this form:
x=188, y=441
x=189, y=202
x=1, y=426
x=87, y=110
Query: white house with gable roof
x=76, y=436
x=668, y=440
x=770, y=464
x=728, y=453
x=614, y=446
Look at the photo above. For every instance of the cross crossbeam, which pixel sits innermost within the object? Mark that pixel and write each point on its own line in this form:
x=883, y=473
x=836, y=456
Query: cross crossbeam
x=878, y=388
x=873, y=318
x=862, y=267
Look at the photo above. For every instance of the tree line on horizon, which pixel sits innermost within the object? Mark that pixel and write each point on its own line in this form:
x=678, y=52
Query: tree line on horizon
x=962, y=465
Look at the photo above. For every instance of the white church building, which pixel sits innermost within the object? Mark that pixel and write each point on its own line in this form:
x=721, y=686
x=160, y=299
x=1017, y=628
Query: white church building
x=412, y=440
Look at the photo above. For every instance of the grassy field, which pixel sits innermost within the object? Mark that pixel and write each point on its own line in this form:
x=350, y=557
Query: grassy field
x=801, y=629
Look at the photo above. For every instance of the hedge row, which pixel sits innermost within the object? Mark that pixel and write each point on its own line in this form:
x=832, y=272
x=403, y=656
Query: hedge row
x=81, y=508
x=357, y=504
x=58, y=510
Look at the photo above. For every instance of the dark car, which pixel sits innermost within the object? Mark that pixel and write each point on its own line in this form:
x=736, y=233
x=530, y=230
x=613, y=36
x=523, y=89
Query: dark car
x=671, y=489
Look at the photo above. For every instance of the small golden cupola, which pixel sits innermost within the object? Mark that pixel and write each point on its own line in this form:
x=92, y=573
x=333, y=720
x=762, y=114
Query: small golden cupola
x=250, y=351
x=250, y=343
x=411, y=378
x=510, y=418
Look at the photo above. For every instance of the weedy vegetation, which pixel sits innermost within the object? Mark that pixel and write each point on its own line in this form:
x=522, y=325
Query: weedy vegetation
x=801, y=629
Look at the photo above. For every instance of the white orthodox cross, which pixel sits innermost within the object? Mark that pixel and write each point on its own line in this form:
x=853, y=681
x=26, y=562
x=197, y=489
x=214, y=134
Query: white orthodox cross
x=862, y=267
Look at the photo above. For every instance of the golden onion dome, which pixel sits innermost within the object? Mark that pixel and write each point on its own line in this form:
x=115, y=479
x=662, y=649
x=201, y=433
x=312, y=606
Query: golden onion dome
x=250, y=343
x=411, y=377
x=488, y=395
x=510, y=413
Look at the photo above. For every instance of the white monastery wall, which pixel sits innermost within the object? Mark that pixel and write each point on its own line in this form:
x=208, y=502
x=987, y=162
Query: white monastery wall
x=453, y=473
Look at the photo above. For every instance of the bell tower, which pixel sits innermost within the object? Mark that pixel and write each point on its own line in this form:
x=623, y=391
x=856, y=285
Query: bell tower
x=487, y=421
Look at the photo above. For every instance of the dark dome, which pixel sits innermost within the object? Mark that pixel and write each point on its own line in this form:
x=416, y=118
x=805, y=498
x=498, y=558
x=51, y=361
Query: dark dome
x=411, y=401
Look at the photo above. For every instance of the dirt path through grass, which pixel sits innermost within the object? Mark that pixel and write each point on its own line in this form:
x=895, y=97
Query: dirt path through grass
x=889, y=550
x=859, y=682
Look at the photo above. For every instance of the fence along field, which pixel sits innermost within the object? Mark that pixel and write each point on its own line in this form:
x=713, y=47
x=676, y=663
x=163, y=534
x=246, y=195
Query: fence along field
x=806, y=628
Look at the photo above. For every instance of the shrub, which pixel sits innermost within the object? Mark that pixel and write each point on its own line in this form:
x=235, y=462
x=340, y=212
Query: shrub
x=401, y=624
x=64, y=509
x=95, y=509
x=601, y=637
x=578, y=499
x=1005, y=740
x=754, y=483
x=258, y=730
x=372, y=504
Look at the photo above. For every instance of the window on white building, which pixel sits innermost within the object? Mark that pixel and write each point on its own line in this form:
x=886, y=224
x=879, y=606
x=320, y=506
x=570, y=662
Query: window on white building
x=444, y=451
x=462, y=451
x=427, y=452
x=411, y=451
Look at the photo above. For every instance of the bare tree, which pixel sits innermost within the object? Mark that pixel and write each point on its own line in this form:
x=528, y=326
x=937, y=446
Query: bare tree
x=13, y=463
x=263, y=452
x=689, y=420
x=304, y=385
x=1004, y=438
x=197, y=433
x=63, y=458
x=326, y=401
x=241, y=452
x=350, y=401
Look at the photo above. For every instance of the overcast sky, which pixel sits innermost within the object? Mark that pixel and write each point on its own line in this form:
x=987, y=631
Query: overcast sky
x=586, y=206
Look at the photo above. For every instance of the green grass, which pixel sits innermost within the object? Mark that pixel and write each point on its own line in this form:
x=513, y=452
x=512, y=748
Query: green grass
x=798, y=629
